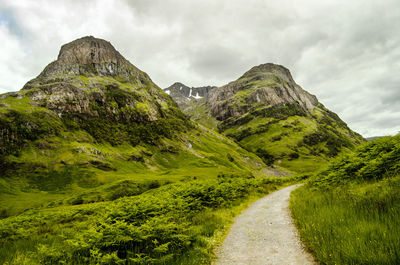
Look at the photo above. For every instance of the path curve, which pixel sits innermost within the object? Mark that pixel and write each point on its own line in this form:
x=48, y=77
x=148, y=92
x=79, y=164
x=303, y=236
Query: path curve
x=264, y=234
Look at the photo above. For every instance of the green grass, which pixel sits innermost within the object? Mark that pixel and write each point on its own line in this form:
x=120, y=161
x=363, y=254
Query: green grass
x=19, y=104
x=294, y=140
x=357, y=225
x=349, y=213
x=38, y=182
x=198, y=111
x=177, y=223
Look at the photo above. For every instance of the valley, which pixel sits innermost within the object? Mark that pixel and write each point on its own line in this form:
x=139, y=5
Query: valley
x=99, y=165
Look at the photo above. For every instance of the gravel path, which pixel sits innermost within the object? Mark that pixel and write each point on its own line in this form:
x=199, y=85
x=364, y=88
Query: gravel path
x=264, y=234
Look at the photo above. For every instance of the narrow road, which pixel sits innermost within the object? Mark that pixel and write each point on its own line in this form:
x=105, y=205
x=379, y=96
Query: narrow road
x=264, y=234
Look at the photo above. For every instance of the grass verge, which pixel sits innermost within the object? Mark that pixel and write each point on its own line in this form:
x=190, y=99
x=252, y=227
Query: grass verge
x=350, y=213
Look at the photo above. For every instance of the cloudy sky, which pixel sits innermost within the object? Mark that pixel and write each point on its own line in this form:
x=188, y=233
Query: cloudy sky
x=345, y=52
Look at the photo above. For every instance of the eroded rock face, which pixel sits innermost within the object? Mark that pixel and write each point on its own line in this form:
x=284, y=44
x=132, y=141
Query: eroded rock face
x=91, y=77
x=89, y=56
x=263, y=85
x=183, y=94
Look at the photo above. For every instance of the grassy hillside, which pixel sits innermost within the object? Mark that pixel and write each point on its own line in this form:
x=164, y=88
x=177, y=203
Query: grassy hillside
x=99, y=166
x=77, y=139
x=199, y=112
x=175, y=224
x=47, y=160
x=288, y=136
x=350, y=212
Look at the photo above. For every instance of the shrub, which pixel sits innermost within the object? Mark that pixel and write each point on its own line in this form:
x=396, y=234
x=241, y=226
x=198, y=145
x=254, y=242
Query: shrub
x=265, y=156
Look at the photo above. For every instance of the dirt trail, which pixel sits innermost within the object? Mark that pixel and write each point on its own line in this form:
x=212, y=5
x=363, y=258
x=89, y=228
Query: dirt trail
x=264, y=234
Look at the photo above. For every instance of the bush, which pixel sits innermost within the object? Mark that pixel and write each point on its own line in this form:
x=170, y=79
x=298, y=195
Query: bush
x=371, y=161
x=265, y=156
x=293, y=156
x=16, y=128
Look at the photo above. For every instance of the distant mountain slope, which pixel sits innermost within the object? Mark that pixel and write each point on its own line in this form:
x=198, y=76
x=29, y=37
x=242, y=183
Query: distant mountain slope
x=372, y=138
x=183, y=94
x=93, y=127
x=269, y=114
x=192, y=101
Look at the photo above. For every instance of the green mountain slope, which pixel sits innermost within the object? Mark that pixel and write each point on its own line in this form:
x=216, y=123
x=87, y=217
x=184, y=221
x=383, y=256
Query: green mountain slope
x=268, y=114
x=92, y=127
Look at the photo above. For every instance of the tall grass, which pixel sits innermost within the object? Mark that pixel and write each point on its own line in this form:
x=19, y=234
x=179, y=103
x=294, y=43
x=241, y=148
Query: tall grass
x=350, y=226
x=350, y=213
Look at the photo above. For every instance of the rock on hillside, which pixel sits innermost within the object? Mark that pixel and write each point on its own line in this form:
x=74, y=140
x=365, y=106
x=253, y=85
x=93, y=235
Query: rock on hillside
x=90, y=56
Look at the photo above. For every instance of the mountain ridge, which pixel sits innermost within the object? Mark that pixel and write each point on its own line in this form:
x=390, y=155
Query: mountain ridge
x=183, y=94
x=269, y=114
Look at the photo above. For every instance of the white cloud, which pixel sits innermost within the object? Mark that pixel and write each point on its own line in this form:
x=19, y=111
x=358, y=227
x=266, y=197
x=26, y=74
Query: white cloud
x=12, y=56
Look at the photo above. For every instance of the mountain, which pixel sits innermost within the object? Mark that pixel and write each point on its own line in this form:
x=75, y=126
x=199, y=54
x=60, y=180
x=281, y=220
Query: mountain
x=267, y=113
x=372, y=138
x=192, y=101
x=93, y=127
x=183, y=94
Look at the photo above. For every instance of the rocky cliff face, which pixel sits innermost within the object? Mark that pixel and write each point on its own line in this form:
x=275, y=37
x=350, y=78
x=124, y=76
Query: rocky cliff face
x=93, y=88
x=263, y=85
x=91, y=77
x=90, y=56
x=183, y=94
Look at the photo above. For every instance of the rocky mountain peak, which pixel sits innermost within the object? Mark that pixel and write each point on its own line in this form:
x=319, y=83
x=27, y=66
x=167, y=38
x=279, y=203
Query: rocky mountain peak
x=90, y=77
x=183, y=94
x=269, y=69
x=89, y=50
x=264, y=85
x=89, y=56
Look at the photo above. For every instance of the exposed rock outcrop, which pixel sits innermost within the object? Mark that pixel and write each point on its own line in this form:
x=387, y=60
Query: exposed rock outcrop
x=183, y=94
x=91, y=77
x=263, y=85
x=89, y=56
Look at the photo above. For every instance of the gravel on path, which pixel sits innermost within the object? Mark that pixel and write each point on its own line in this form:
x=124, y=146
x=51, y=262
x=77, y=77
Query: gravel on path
x=264, y=234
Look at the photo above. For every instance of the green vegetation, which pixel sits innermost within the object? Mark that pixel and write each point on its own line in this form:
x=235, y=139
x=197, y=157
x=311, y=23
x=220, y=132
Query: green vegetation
x=198, y=111
x=259, y=112
x=350, y=212
x=108, y=170
x=174, y=224
x=128, y=180
x=72, y=168
x=113, y=149
x=292, y=138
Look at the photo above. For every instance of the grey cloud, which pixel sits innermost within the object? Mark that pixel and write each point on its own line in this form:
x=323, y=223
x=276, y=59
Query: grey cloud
x=216, y=62
x=344, y=52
